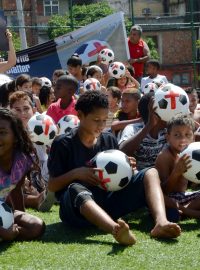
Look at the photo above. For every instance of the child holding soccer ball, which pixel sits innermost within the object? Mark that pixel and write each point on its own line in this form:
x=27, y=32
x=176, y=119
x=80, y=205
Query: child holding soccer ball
x=82, y=202
x=180, y=133
x=16, y=161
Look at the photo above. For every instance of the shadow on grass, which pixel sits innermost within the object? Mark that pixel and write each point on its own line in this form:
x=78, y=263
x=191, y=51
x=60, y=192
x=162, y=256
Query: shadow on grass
x=62, y=233
x=4, y=246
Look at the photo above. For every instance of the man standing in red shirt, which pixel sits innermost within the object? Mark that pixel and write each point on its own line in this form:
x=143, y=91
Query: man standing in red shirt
x=139, y=51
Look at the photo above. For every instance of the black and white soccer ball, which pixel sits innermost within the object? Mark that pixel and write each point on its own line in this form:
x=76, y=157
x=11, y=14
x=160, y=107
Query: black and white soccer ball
x=66, y=123
x=158, y=81
x=107, y=56
x=42, y=129
x=149, y=87
x=117, y=70
x=171, y=100
x=46, y=82
x=116, y=169
x=91, y=84
x=193, y=173
x=6, y=215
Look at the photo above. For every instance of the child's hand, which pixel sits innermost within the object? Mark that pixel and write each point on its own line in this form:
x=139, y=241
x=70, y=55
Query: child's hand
x=88, y=175
x=8, y=34
x=11, y=233
x=132, y=163
x=183, y=164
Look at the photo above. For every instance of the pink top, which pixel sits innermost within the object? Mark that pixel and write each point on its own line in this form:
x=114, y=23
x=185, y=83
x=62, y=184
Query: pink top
x=57, y=113
x=20, y=167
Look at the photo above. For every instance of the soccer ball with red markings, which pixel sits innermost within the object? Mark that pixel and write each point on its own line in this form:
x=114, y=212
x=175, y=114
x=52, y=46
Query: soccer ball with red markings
x=149, y=87
x=66, y=123
x=171, y=100
x=6, y=215
x=117, y=70
x=91, y=84
x=193, y=173
x=42, y=129
x=107, y=56
x=116, y=169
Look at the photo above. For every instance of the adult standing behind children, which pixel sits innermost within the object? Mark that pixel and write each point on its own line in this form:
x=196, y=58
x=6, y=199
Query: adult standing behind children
x=139, y=51
x=82, y=202
x=64, y=91
x=6, y=65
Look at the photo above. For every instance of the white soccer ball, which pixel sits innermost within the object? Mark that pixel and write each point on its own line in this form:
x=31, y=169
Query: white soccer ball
x=117, y=70
x=91, y=84
x=107, y=56
x=171, y=100
x=193, y=150
x=46, y=82
x=42, y=129
x=66, y=123
x=149, y=87
x=117, y=171
x=6, y=215
x=4, y=79
x=159, y=82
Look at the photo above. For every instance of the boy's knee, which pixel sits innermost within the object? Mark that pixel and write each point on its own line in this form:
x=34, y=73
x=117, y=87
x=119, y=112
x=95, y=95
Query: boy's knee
x=151, y=175
x=37, y=228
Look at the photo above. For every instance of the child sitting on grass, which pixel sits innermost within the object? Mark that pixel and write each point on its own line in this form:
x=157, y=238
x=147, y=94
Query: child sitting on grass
x=82, y=202
x=16, y=161
x=36, y=184
x=180, y=133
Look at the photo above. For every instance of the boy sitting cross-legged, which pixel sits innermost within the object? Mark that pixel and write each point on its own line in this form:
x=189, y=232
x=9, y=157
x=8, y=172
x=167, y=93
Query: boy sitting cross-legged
x=82, y=202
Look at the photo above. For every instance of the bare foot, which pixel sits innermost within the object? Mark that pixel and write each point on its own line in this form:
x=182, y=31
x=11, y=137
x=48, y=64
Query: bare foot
x=122, y=233
x=167, y=230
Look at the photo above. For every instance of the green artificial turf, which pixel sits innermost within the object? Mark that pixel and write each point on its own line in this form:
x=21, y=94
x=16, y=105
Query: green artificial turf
x=63, y=247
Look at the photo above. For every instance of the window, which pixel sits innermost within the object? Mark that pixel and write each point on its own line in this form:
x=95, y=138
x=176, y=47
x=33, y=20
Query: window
x=51, y=7
x=181, y=79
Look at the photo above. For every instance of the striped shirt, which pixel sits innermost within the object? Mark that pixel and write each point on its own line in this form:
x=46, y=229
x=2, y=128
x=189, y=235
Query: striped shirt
x=149, y=147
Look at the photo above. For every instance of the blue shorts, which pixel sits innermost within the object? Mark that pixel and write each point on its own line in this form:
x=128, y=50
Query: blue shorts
x=116, y=204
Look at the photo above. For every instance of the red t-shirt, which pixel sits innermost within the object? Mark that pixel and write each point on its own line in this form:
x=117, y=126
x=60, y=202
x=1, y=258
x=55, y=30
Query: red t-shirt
x=137, y=51
x=57, y=113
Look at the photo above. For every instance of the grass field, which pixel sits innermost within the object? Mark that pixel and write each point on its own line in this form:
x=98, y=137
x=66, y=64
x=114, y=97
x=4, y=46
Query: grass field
x=62, y=247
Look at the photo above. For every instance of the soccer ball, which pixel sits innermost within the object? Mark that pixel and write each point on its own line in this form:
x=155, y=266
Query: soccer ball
x=46, y=82
x=89, y=51
x=149, y=87
x=117, y=171
x=171, y=100
x=91, y=84
x=42, y=129
x=107, y=56
x=117, y=70
x=6, y=215
x=66, y=123
x=158, y=82
x=4, y=79
x=193, y=173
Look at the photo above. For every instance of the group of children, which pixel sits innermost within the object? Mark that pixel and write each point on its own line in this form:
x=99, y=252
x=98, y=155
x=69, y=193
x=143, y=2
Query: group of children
x=117, y=117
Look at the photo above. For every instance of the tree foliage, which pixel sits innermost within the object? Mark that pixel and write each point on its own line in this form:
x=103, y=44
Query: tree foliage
x=82, y=15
